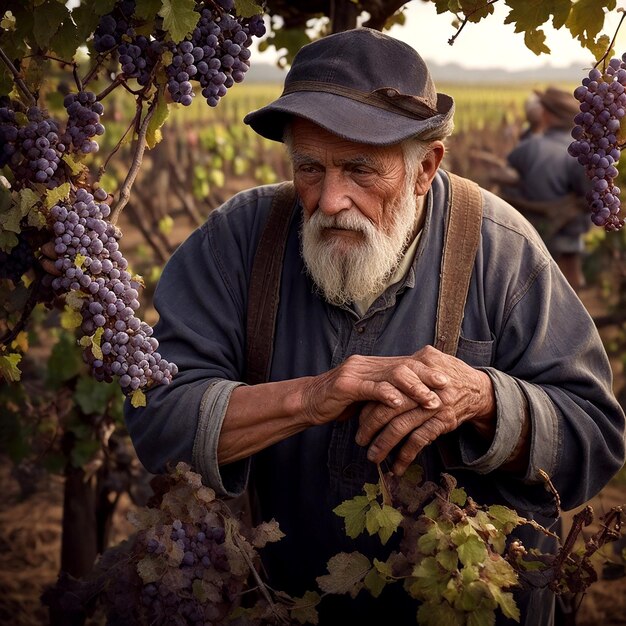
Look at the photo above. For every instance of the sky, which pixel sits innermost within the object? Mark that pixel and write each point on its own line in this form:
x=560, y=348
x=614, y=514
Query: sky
x=490, y=43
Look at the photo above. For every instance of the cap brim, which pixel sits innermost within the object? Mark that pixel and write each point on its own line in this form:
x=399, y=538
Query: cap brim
x=344, y=117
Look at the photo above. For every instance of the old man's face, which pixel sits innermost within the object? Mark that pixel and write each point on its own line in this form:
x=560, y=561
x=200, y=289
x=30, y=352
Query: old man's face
x=360, y=211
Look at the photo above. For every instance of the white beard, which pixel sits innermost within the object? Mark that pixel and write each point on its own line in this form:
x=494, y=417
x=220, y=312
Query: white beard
x=349, y=271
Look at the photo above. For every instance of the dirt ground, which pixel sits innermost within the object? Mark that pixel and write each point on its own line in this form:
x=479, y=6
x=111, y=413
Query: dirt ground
x=30, y=533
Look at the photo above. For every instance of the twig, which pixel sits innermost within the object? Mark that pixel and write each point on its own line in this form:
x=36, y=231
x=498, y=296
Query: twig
x=608, y=50
x=17, y=78
x=552, y=489
x=10, y=335
x=462, y=26
x=134, y=168
x=107, y=90
x=119, y=143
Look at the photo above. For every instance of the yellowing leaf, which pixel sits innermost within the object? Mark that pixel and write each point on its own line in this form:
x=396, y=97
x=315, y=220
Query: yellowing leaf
x=27, y=199
x=159, y=117
x=79, y=261
x=95, y=343
x=75, y=299
x=9, y=369
x=166, y=224
x=354, y=512
x=138, y=398
x=304, y=608
x=56, y=195
x=75, y=167
x=20, y=342
x=151, y=568
x=266, y=532
x=70, y=319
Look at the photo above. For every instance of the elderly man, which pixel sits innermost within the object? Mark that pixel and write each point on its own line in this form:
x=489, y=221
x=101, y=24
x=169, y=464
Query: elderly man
x=354, y=378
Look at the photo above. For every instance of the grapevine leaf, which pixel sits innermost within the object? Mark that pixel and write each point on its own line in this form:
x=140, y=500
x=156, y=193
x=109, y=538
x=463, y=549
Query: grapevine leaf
x=505, y=601
x=75, y=167
x=429, y=540
x=473, y=551
x=428, y=580
x=75, y=299
x=159, y=117
x=353, y=511
x=529, y=14
x=437, y=613
x=64, y=362
x=36, y=218
x=374, y=582
x=599, y=47
x=88, y=14
x=481, y=617
x=372, y=490
x=10, y=220
x=179, y=18
x=504, y=518
x=138, y=398
x=458, y=496
x=147, y=9
x=535, y=41
x=304, y=609
x=345, y=573
x=95, y=343
x=247, y=8
x=20, y=342
x=53, y=196
x=93, y=396
x=79, y=261
x=66, y=40
x=476, y=10
x=265, y=533
x=388, y=520
x=47, y=20
x=151, y=568
x=70, y=319
x=586, y=19
x=501, y=570
x=27, y=199
x=448, y=559
x=9, y=367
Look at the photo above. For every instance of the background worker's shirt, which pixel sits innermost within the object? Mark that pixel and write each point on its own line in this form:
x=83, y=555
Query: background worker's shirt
x=523, y=325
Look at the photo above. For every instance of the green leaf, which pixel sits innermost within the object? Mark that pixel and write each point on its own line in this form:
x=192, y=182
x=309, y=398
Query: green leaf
x=159, y=117
x=458, y=496
x=70, y=319
x=304, y=609
x=92, y=396
x=147, y=9
x=27, y=199
x=372, y=490
x=388, y=520
x=473, y=551
x=437, y=614
x=75, y=167
x=9, y=369
x=346, y=572
x=179, y=18
x=48, y=18
x=374, y=582
x=353, y=511
x=95, y=343
x=481, y=617
x=247, y=8
x=497, y=568
x=476, y=10
x=448, y=559
x=504, y=519
x=428, y=580
x=64, y=362
x=505, y=601
x=10, y=219
x=54, y=196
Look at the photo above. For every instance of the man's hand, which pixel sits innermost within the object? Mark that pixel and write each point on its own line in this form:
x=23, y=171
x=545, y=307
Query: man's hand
x=389, y=382
x=468, y=395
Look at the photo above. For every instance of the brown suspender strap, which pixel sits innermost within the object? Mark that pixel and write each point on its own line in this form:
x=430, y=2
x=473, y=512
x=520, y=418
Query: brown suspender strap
x=460, y=245
x=264, y=289
x=459, y=251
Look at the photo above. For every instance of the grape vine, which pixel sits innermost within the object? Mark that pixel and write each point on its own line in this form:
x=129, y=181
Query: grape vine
x=56, y=213
x=192, y=558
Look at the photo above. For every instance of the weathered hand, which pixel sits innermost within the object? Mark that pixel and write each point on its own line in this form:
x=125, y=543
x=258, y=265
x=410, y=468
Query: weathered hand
x=390, y=382
x=467, y=395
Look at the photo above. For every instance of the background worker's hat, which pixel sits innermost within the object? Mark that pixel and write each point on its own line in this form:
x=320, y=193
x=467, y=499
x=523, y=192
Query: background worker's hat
x=560, y=103
x=361, y=85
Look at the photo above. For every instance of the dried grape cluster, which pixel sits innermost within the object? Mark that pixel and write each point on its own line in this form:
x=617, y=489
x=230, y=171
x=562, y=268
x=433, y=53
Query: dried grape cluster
x=597, y=135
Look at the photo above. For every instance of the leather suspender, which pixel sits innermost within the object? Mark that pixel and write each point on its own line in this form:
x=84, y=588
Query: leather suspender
x=461, y=242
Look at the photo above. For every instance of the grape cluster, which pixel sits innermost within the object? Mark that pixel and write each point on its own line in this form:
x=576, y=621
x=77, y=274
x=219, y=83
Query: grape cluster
x=217, y=55
x=114, y=27
x=139, y=57
x=203, y=550
x=91, y=263
x=602, y=98
x=32, y=150
x=18, y=261
x=83, y=121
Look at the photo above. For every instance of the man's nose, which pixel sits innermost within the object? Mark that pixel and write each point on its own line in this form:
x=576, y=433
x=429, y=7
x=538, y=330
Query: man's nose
x=334, y=194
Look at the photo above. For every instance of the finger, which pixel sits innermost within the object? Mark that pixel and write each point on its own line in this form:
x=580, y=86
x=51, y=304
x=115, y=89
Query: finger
x=374, y=416
x=359, y=390
x=411, y=384
x=394, y=432
x=421, y=437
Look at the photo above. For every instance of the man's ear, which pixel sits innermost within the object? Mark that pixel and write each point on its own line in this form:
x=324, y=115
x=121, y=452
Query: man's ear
x=429, y=166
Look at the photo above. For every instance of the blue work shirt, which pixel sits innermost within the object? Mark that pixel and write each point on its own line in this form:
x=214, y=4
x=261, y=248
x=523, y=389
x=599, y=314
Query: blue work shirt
x=523, y=325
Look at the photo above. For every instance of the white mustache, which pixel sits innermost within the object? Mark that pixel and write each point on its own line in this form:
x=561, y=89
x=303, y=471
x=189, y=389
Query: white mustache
x=344, y=220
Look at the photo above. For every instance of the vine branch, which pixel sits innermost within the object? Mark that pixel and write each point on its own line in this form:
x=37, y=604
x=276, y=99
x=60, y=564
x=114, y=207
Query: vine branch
x=17, y=77
x=608, y=50
x=135, y=165
x=466, y=19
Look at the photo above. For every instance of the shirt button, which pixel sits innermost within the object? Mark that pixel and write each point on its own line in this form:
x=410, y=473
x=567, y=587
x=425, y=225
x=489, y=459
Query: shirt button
x=360, y=329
